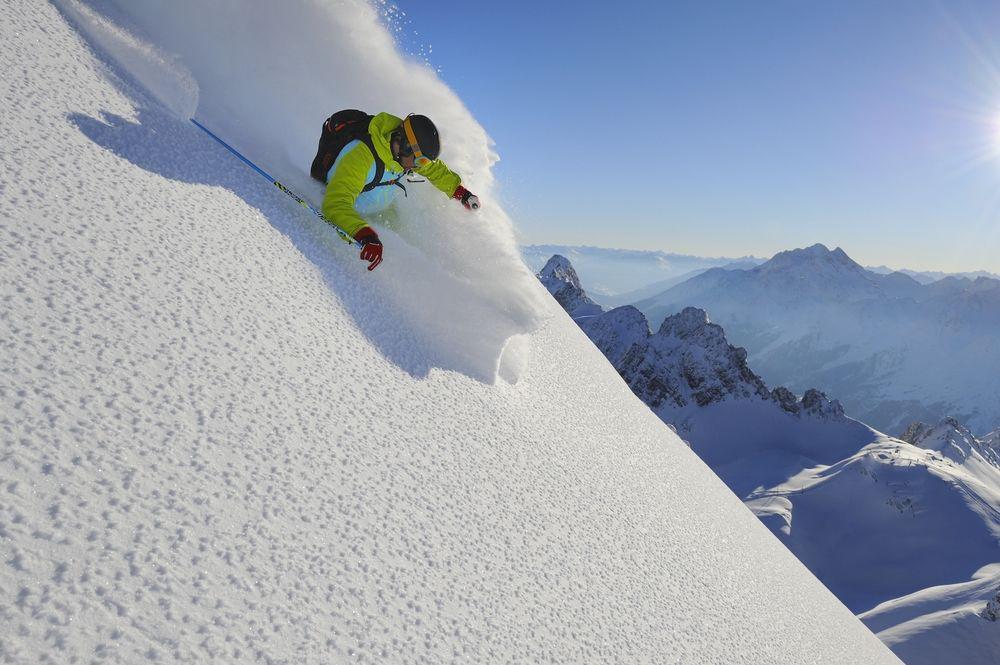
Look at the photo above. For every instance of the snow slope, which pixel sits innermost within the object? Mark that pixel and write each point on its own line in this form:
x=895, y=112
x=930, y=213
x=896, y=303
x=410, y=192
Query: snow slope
x=887, y=521
x=942, y=624
x=224, y=441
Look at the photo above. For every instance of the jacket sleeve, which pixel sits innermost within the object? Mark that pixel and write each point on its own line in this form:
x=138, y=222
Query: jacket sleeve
x=440, y=176
x=344, y=187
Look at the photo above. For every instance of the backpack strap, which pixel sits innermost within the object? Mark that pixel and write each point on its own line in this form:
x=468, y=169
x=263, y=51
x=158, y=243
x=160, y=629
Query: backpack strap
x=380, y=169
x=379, y=164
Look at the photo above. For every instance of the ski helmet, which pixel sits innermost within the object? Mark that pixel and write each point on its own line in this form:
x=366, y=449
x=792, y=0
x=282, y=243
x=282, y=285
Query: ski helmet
x=421, y=139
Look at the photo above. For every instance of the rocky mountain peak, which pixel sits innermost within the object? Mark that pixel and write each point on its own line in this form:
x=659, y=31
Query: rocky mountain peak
x=786, y=399
x=840, y=256
x=616, y=331
x=689, y=362
x=685, y=323
x=816, y=257
x=915, y=433
x=816, y=403
x=934, y=436
x=558, y=270
x=560, y=279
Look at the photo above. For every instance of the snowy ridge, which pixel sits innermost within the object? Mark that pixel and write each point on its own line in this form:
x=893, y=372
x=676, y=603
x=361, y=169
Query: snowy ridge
x=943, y=624
x=918, y=518
x=954, y=440
x=223, y=440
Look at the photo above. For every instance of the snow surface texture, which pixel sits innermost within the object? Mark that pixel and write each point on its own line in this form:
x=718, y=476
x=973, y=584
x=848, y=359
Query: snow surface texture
x=223, y=440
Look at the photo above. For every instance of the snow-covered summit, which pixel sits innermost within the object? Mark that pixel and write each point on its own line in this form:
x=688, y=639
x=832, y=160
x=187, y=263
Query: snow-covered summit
x=814, y=275
x=691, y=321
x=810, y=257
x=560, y=279
x=935, y=437
x=952, y=439
x=559, y=272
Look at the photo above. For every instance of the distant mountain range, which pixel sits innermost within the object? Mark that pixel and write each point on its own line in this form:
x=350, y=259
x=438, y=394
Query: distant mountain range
x=904, y=531
x=622, y=276
x=615, y=277
x=892, y=349
x=928, y=276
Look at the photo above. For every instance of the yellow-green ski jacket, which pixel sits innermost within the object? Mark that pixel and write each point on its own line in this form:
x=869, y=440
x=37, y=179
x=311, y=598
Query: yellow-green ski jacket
x=344, y=202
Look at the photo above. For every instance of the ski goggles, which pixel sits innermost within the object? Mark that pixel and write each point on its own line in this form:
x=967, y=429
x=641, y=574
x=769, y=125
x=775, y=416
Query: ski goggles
x=412, y=147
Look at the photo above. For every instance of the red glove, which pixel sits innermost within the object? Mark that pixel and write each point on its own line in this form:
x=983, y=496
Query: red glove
x=468, y=199
x=371, y=246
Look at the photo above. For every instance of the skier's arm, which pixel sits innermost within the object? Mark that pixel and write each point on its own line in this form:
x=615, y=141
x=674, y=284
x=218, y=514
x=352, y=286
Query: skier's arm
x=449, y=182
x=343, y=189
x=441, y=176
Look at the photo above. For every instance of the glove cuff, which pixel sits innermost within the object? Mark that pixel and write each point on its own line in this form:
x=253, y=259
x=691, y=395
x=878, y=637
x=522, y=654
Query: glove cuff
x=366, y=235
x=461, y=193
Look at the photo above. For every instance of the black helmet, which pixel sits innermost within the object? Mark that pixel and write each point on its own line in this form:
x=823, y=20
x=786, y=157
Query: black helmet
x=420, y=137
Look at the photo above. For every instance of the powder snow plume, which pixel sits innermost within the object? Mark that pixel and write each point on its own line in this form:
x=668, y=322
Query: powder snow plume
x=162, y=75
x=265, y=75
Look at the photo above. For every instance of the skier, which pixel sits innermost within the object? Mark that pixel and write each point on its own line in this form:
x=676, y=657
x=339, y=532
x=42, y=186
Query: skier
x=362, y=159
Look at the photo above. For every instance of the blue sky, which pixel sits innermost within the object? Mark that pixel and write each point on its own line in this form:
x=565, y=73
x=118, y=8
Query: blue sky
x=718, y=128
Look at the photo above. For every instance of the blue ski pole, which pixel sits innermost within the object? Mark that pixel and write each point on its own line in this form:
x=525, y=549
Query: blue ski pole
x=299, y=199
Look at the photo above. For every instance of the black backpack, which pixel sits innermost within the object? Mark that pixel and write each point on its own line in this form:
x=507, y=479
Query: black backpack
x=340, y=129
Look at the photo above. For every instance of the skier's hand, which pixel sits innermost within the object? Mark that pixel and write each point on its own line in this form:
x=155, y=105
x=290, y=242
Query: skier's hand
x=371, y=246
x=468, y=199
